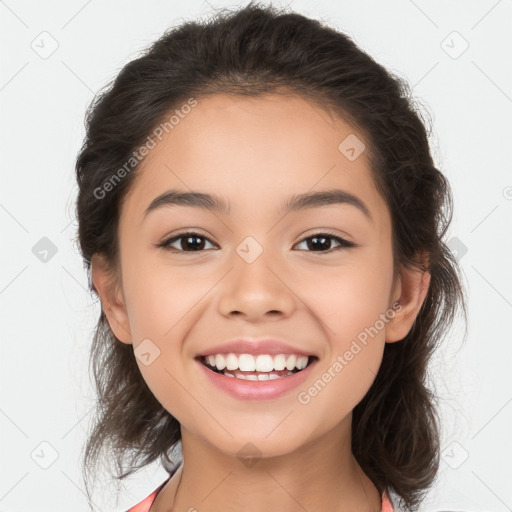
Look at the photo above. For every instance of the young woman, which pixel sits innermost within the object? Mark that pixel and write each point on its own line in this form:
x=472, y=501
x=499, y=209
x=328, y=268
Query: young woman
x=264, y=225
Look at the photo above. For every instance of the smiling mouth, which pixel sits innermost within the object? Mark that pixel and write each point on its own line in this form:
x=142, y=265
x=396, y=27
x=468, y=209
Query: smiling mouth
x=255, y=375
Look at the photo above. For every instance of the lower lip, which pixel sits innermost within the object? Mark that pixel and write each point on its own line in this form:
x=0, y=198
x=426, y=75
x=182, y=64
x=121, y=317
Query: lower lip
x=257, y=389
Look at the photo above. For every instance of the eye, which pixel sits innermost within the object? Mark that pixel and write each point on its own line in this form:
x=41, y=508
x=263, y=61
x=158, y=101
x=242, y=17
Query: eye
x=321, y=241
x=191, y=242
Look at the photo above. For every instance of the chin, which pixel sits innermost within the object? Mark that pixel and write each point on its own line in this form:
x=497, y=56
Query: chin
x=252, y=448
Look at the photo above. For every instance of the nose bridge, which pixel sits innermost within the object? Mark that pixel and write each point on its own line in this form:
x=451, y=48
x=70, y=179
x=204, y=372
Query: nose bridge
x=254, y=284
x=253, y=262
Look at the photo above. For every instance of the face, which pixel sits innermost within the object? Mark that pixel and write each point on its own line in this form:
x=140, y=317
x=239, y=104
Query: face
x=257, y=271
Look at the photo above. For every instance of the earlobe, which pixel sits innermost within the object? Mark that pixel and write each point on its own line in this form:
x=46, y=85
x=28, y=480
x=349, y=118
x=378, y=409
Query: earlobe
x=413, y=289
x=111, y=297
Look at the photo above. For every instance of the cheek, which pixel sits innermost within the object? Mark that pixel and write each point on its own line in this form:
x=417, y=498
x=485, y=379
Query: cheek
x=349, y=305
x=166, y=382
x=350, y=297
x=350, y=301
x=157, y=296
x=158, y=309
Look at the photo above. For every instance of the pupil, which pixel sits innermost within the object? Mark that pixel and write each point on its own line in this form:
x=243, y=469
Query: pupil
x=185, y=242
x=325, y=244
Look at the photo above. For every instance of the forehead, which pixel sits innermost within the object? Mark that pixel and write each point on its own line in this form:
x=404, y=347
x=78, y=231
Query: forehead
x=255, y=152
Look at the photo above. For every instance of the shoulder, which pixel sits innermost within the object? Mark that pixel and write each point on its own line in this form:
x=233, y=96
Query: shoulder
x=391, y=502
x=387, y=504
x=146, y=503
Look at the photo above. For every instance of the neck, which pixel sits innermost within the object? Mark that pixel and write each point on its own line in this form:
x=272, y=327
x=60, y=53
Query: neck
x=321, y=475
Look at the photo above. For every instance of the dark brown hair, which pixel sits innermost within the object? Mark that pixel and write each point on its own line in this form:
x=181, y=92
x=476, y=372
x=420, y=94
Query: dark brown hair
x=253, y=51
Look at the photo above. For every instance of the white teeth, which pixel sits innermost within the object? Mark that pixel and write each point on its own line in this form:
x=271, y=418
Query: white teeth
x=231, y=362
x=220, y=362
x=246, y=363
x=261, y=363
x=264, y=363
x=290, y=362
x=279, y=362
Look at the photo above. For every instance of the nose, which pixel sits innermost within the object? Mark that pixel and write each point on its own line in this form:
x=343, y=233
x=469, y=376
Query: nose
x=258, y=291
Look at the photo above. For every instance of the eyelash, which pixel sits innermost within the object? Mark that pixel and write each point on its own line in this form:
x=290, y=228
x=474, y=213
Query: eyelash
x=344, y=244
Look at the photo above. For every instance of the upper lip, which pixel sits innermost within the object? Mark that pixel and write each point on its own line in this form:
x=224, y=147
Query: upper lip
x=255, y=347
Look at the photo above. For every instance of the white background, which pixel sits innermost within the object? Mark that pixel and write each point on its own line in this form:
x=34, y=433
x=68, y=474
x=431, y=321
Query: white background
x=47, y=314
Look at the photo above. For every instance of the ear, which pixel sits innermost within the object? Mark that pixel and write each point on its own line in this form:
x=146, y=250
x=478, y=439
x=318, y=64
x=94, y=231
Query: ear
x=111, y=296
x=410, y=292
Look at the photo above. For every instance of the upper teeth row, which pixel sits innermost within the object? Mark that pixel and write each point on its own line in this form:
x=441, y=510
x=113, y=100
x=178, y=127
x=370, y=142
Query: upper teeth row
x=260, y=363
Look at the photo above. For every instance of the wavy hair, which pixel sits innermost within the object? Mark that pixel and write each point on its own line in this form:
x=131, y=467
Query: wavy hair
x=253, y=51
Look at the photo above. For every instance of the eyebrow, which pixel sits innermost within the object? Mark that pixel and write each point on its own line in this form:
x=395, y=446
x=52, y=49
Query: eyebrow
x=214, y=203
